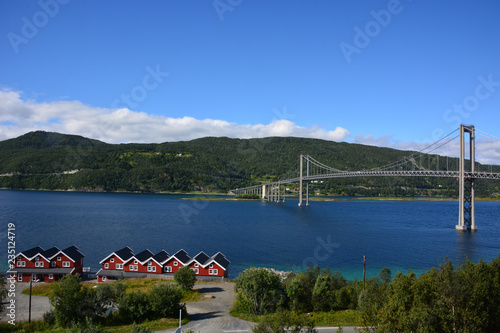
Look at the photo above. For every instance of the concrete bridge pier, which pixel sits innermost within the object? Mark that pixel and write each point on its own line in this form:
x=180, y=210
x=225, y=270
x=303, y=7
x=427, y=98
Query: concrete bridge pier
x=466, y=187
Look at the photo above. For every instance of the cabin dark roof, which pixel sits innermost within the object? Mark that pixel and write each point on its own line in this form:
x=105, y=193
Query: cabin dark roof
x=73, y=253
x=221, y=260
x=161, y=256
x=125, y=253
x=182, y=256
x=50, y=252
x=144, y=255
x=201, y=258
x=32, y=252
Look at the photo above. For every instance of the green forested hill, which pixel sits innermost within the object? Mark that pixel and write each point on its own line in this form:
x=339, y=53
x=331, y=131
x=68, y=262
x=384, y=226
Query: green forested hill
x=41, y=160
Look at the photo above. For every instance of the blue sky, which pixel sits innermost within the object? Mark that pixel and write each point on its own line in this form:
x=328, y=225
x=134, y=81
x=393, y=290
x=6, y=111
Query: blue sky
x=388, y=73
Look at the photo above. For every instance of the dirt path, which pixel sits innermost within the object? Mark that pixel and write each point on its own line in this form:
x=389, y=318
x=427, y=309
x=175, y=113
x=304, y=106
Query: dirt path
x=211, y=315
x=39, y=305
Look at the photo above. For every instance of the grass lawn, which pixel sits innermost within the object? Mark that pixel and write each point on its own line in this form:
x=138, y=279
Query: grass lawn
x=133, y=285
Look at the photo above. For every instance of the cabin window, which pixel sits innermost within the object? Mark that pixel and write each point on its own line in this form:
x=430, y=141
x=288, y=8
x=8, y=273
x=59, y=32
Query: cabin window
x=211, y=266
x=53, y=264
x=176, y=263
x=119, y=266
x=153, y=268
x=168, y=269
x=210, y=271
x=106, y=265
x=150, y=262
x=195, y=265
x=20, y=278
x=135, y=261
x=112, y=260
x=51, y=276
x=66, y=264
x=59, y=258
x=216, y=271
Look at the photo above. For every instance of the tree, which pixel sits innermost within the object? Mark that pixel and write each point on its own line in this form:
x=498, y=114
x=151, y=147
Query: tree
x=185, y=277
x=322, y=293
x=261, y=287
x=165, y=300
x=67, y=299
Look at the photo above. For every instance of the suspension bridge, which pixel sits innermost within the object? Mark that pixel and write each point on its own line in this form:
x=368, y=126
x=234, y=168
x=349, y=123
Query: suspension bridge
x=408, y=166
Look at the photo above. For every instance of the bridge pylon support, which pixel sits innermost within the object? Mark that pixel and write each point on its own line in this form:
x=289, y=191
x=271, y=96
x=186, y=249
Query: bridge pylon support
x=265, y=192
x=466, y=216
x=301, y=181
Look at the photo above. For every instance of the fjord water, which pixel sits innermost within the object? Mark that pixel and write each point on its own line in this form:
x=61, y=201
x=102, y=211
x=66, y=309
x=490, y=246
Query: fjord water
x=400, y=235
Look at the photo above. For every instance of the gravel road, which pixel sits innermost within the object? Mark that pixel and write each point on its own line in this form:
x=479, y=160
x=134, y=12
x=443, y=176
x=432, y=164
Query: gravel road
x=39, y=305
x=211, y=315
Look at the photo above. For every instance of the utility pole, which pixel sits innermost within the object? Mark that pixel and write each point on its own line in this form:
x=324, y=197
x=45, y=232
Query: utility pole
x=364, y=272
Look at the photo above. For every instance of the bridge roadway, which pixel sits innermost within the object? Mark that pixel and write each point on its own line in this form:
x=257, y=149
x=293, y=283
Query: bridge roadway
x=372, y=173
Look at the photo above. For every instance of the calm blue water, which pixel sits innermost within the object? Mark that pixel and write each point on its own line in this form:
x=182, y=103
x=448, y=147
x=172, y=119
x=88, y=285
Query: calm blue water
x=400, y=235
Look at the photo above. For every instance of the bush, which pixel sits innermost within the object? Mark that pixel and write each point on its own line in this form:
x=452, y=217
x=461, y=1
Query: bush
x=49, y=317
x=135, y=307
x=87, y=327
x=139, y=329
x=165, y=300
x=283, y=322
x=261, y=287
x=185, y=277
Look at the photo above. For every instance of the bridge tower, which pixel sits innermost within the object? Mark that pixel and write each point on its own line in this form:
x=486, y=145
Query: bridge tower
x=466, y=199
x=301, y=180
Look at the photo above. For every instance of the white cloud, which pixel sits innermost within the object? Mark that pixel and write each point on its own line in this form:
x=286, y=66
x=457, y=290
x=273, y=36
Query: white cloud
x=18, y=116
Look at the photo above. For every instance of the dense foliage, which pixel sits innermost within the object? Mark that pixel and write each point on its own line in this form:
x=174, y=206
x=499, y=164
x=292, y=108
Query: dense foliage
x=185, y=277
x=82, y=308
x=41, y=160
x=443, y=299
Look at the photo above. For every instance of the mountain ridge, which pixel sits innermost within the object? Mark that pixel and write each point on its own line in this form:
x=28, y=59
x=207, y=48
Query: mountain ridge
x=49, y=160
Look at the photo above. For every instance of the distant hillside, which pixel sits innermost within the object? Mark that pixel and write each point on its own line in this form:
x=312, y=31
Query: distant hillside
x=41, y=160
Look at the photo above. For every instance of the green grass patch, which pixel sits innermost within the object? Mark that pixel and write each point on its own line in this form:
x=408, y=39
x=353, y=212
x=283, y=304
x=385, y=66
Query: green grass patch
x=41, y=326
x=336, y=318
x=332, y=318
x=39, y=289
x=133, y=285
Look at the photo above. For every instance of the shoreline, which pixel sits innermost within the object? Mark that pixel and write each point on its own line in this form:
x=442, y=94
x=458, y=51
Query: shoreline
x=230, y=197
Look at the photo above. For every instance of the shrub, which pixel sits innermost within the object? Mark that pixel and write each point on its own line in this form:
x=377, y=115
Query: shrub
x=185, y=277
x=165, y=300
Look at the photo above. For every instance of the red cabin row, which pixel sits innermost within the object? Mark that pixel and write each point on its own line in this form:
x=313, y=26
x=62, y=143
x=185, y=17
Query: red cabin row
x=124, y=263
x=50, y=265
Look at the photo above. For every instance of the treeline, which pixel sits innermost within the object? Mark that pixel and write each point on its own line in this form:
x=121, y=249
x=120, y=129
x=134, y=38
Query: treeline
x=41, y=160
x=443, y=299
